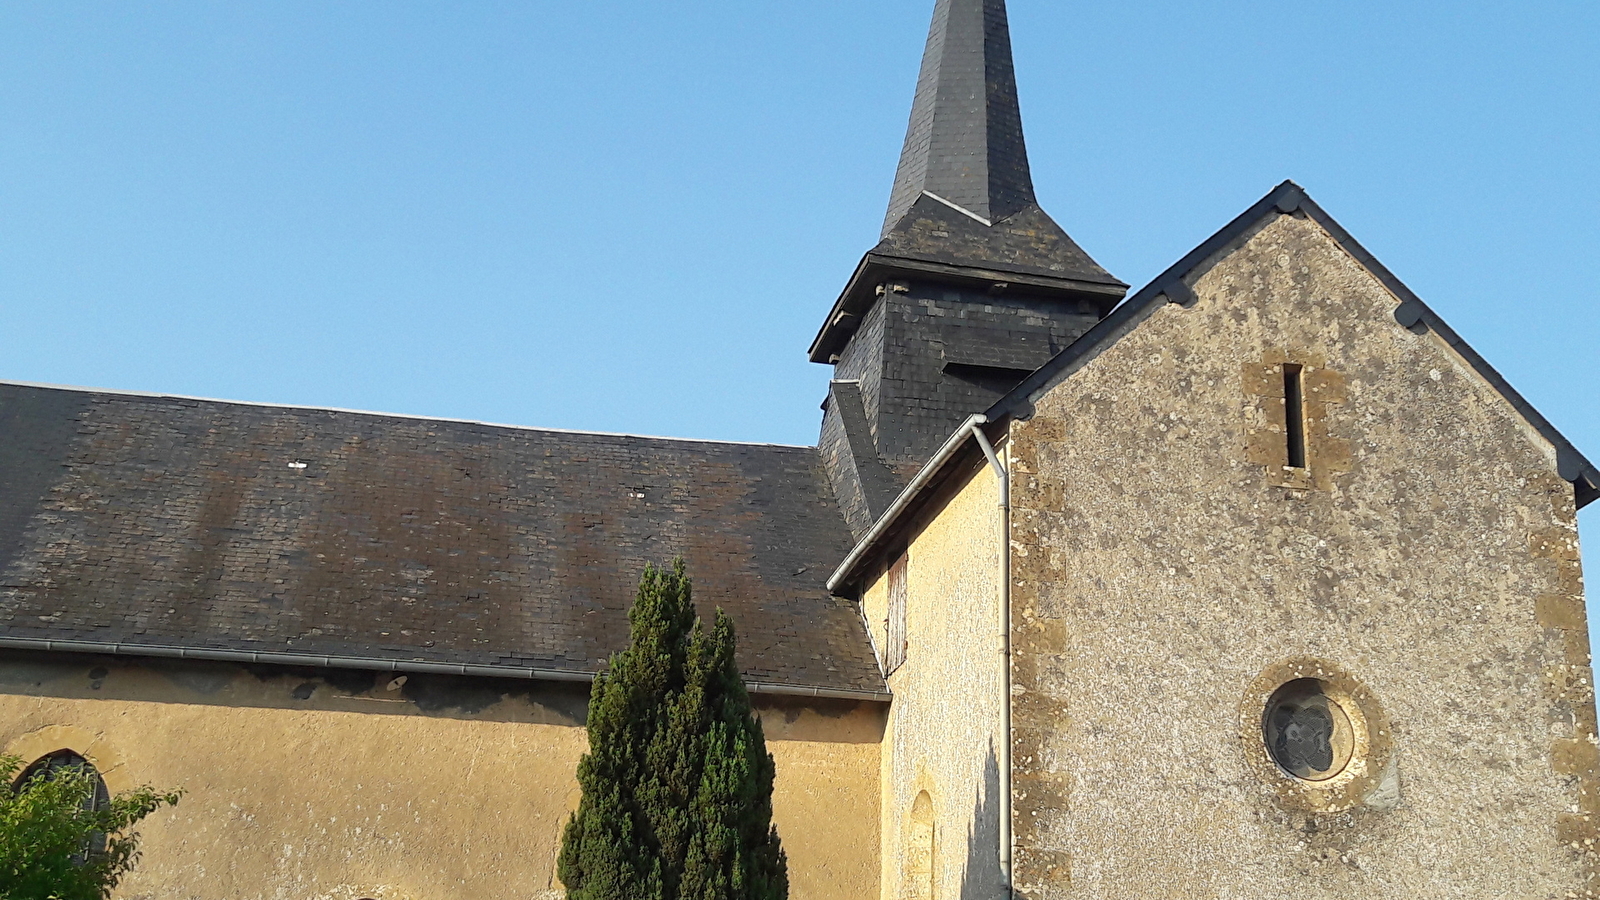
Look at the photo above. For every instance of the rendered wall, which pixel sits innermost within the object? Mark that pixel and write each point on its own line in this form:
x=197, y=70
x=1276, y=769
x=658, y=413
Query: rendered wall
x=340, y=788
x=944, y=723
x=1169, y=571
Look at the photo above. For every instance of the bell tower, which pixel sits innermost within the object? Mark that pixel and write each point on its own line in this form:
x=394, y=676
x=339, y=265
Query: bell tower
x=972, y=287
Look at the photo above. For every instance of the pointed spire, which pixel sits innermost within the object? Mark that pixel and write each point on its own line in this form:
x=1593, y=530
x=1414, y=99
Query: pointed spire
x=965, y=145
x=963, y=210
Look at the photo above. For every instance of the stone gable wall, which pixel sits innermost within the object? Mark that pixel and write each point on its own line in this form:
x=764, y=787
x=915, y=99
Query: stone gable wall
x=1170, y=572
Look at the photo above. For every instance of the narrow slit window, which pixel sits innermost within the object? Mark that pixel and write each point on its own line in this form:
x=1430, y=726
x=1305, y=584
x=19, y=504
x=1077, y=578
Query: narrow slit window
x=1294, y=414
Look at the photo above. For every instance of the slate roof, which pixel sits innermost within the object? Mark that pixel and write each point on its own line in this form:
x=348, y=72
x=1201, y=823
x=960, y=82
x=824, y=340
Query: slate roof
x=1027, y=243
x=163, y=522
x=965, y=140
x=963, y=192
x=963, y=207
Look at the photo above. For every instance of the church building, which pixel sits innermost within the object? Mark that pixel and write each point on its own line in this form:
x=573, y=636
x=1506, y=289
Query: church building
x=1255, y=582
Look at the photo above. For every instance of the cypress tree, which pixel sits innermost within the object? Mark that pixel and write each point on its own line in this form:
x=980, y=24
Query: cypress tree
x=677, y=783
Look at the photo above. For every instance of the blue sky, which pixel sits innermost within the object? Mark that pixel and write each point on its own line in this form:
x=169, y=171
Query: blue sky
x=630, y=216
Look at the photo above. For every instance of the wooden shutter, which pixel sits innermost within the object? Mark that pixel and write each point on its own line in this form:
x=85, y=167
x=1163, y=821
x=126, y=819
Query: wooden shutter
x=895, y=653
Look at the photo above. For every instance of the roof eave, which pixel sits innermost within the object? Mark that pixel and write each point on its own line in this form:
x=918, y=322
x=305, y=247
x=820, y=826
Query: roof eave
x=861, y=292
x=398, y=666
x=908, y=501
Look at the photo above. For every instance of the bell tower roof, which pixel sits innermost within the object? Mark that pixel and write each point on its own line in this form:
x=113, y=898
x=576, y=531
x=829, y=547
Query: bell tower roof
x=963, y=209
x=965, y=144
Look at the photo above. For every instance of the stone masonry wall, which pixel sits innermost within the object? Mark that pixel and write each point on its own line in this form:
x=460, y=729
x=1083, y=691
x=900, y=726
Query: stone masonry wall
x=1170, y=572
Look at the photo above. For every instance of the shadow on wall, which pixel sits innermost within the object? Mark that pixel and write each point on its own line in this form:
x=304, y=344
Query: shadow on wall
x=203, y=683
x=65, y=676
x=982, y=879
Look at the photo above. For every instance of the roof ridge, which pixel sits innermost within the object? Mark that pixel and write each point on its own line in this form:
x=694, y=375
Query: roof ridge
x=150, y=395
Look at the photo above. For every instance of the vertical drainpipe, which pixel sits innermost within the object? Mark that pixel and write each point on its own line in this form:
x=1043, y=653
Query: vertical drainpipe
x=1003, y=477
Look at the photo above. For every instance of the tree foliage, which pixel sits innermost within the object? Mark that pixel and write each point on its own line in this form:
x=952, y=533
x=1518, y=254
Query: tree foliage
x=677, y=783
x=51, y=834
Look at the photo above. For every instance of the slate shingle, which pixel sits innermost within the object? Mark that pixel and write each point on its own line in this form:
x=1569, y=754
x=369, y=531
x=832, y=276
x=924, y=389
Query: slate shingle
x=206, y=524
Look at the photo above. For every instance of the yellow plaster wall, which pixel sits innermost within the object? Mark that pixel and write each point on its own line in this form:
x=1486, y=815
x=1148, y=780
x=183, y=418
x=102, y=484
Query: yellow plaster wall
x=389, y=792
x=1169, y=572
x=944, y=723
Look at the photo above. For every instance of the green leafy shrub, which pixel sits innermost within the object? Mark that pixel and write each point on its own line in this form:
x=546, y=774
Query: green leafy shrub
x=56, y=843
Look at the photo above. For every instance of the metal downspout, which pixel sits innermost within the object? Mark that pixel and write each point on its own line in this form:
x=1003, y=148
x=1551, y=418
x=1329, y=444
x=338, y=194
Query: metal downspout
x=1003, y=476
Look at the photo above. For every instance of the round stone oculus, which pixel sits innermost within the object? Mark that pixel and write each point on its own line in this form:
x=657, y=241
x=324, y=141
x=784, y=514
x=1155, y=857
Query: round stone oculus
x=1307, y=732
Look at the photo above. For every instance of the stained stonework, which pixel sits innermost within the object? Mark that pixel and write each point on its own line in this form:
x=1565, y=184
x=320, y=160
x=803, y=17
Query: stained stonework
x=1164, y=562
x=1266, y=412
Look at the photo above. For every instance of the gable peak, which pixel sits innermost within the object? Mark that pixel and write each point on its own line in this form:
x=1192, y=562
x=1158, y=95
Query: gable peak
x=1174, y=286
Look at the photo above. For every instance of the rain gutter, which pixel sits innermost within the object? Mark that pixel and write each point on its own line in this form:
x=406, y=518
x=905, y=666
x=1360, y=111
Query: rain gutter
x=376, y=664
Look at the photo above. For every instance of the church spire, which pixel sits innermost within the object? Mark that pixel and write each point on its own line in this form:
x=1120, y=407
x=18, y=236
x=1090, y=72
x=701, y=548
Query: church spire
x=964, y=145
x=963, y=213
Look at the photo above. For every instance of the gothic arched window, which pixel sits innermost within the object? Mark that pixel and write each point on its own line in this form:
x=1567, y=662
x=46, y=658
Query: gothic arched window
x=99, y=798
x=920, y=850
